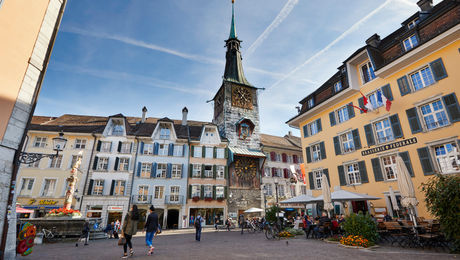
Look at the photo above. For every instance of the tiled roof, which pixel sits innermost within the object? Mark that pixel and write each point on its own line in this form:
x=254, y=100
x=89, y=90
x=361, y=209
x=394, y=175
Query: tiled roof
x=288, y=141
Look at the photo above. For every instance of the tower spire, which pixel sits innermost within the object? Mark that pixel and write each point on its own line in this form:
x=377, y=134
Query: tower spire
x=232, y=28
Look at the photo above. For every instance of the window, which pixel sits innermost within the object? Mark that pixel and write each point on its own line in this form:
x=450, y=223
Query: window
x=102, y=163
x=422, y=78
x=207, y=191
x=447, y=157
x=178, y=150
x=176, y=171
x=74, y=160
x=163, y=150
x=146, y=169
x=125, y=147
x=347, y=142
x=434, y=115
x=316, y=152
x=389, y=167
x=342, y=114
x=197, y=151
x=384, y=131
x=56, y=162
x=281, y=190
x=40, y=142
x=209, y=132
x=119, y=189
x=106, y=147
x=80, y=143
x=196, y=173
x=337, y=86
x=98, y=187
x=278, y=157
x=118, y=128
x=310, y=103
x=220, y=153
x=159, y=190
x=267, y=172
x=412, y=24
x=161, y=170
x=279, y=172
x=374, y=100
x=293, y=194
x=123, y=164
x=318, y=176
x=142, y=193
x=164, y=132
x=196, y=191
x=34, y=164
x=26, y=187
x=268, y=190
x=410, y=42
x=303, y=190
x=313, y=127
x=209, y=153
x=352, y=173
x=208, y=171
x=367, y=72
x=220, y=192
x=148, y=149
x=220, y=171
x=174, y=195
x=49, y=187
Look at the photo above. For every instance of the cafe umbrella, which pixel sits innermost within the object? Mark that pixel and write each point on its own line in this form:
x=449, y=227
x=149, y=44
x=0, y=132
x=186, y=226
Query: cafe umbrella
x=406, y=189
x=394, y=202
x=326, y=195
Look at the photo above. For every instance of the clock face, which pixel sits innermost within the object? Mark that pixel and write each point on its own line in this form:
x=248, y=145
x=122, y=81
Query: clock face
x=242, y=97
x=246, y=168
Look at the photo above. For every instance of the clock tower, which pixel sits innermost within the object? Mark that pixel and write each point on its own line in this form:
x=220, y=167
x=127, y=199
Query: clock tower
x=236, y=113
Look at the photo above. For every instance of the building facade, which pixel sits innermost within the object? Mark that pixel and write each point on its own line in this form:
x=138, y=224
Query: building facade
x=31, y=29
x=355, y=144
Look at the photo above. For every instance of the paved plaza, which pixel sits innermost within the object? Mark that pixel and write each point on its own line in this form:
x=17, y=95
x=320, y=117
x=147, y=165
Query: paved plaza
x=225, y=245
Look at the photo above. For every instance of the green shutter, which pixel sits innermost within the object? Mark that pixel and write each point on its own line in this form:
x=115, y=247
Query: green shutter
x=192, y=148
x=310, y=178
x=377, y=169
x=425, y=160
x=190, y=170
x=115, y=167
x=369, y=135
x=452, y=107
x=337, y=148
x=326, y=173
x=98, y=147
x=361, y=104
x=214, y=191
x=214, y=171
x=95, y=163
x=414, y=122
x=202, y=192
x=351, y=110
x=396, y=126
x=214, y=154
x=226, y=172
x=403, y=85
x=203, y=151
x=318, y=124
x=90, y=187
x=226, y=153
x=225, y=192
x=406, y=158
x=342, y=179
x=307, y=150
x=189, y=191
x=332, y=118
x=438, y=69
x=305, y=130
x=363, y=172
x=202, y=170
x=322, y=150
x=356, y=139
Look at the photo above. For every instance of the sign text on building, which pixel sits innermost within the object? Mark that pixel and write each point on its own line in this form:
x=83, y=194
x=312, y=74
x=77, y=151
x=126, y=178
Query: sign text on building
x=394, y=145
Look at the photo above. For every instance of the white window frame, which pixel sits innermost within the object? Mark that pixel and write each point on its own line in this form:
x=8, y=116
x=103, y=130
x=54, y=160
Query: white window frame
x=220, y=171
x=196, y=191
x=208, y=173
x=197, y=151
x=162, y=168
x=102, y=164
x=267, y=172
x=74, y=159
x=317, y=178
x=386, y=136
x=165, y=132
x=342, y=112
x=143, y=193
x=26, y=186
x=303, y=190
x=51, y=192
x=413, y=23
x=220, y=153
x=337, y=86
x=353, y=174
x=40, y=142
x=118, y=129
x=148, y=149
x=178, y=150
x=56, y=162
x=119, y=184
x=410, y=42
x=348, y=141
x=292, y=190
x=97, y=184
x=80, y=144
x=281, y=191
x=434, y=114
x=389, y=167
x=316, y=150
x=209, y=152
x=163, y=149
x=196, y=171
x=313, y=128
x=369, y=70
x=174, y=192
x=310, y=102
x=125, y=147
x=159, y=192
x=220, y=192
x=146, y=170
x=372, y=97
x=425, y=82
x=207, y=190
x=106, y=147
x=123, y=161
x=452, y=157
x=268, y=189
x=176, y=171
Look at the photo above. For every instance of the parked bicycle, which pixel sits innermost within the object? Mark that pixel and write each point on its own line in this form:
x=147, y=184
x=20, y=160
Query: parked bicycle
x=272, y=231
x=50, y=234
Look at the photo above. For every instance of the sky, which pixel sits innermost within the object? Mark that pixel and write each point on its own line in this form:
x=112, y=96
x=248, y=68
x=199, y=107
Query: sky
x=117, y=56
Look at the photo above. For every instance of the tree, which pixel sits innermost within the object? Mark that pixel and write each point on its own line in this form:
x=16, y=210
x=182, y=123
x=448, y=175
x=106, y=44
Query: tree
x=442, y=197
x=270, y=214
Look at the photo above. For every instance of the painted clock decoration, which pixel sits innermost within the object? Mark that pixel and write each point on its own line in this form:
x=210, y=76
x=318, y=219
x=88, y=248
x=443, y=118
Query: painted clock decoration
x=242, y=97
x=245, y=127
x=246, y=168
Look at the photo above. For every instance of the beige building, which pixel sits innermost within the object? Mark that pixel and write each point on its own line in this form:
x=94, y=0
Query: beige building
x=28, y=30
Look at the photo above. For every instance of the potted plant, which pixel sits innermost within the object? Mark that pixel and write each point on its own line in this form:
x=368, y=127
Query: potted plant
x=196, y=198
x=220, y=199
x=207, y=199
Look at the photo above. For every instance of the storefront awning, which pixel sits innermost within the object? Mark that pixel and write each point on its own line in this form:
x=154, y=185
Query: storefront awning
x=246, y=152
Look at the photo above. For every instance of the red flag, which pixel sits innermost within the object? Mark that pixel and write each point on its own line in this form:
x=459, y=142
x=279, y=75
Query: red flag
x=364, y=98
x=302, y=168
x=362, y=109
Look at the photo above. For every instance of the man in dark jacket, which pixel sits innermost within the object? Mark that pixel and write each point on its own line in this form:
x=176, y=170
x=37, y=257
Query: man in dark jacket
x=151, y=226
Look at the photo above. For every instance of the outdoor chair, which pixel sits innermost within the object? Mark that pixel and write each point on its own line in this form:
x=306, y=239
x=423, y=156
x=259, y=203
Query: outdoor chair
x=397, y=234
x=433, y=237
x=384, y=235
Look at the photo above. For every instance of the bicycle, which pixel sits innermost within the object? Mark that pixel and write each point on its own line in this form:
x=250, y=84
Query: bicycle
x=50, y=235
x=272, y=231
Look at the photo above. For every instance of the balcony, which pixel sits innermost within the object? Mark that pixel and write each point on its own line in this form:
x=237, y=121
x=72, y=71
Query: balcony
x=174, y=199
x=142, y=199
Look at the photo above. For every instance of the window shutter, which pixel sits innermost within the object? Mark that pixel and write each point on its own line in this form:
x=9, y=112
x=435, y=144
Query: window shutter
x=156, y=146
x=103, y=186
x=131, y=147
x=351, y=110
x=323, y=150
x=189, y=191
x=119, y=146
x=361, y=104
x=139, y=166
x=95, y=163
x=98, y=147
x=142, y=148
x=110, y=150
x=425, y=160
x=90, y=187
x=190, y=170
x=284, y=157
x=342, y=179
x=326, y=173
x=307, y=151
x=171, y=149
x=337, y=145
x=203, y=151
x=356, y=139
x=452, y=107
x=305, y=130
x=310, y=178
x=153, y=170
x=363, y=172
x=115, y=168
x=225, y=192
x=169, y=171
x=202, y=192
x=272, y=156
x=332, y=118
x=182, y=171
x=377, y=169
x=396, y=126
x=214, y=171
x=414, y=122
x=183, y=149
x=387, y=92
x=438, y=69
x=214, y=192
x=112, y=187
x=202, y=171
x=214, y=154
x=369, y=135
x=192, y=148
x=273, y=172
x=403, y=85
x=226, y=153
x=406, y=158
x=226, y=172
x=295, y=159
x=318, y=123
x=285, y=173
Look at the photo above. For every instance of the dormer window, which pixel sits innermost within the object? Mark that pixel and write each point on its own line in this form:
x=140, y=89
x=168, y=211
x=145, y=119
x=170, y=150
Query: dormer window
x=165, y=132
x=367, y=72
x=412, y=24
x=410, y=42
x=118, y=128
x=337, y=86
x=310, y=103
x=208, y=132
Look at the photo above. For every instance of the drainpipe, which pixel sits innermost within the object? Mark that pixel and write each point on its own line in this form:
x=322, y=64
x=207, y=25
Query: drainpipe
x=87, y=170
x=134, y=171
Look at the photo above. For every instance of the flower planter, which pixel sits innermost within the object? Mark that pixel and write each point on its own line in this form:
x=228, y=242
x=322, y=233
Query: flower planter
x=207, y=199
x=195, y=199
x=220, y=199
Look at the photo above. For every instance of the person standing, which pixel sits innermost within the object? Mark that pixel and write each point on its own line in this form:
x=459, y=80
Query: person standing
x=198, y=221
x=241, y=222
x=216, y=221
x=117, y=226
x=129, y=229
x=84, y=233
x=151, y=227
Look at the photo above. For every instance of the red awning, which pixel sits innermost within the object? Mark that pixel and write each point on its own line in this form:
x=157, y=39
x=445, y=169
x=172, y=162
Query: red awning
x=23, y=210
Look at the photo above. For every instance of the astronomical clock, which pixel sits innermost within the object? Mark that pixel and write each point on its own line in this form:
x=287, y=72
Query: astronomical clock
x=246, y=169
x=242, y=97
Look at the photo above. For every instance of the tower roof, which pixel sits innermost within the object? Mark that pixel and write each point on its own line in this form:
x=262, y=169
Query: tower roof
x=232, y=27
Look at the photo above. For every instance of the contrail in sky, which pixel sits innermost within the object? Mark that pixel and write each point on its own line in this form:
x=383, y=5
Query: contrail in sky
x=277, y=21
x=334, y=42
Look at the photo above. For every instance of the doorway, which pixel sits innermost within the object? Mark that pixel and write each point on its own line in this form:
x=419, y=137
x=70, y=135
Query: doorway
x=113, y=216
x=359, y=205
x=173, y=219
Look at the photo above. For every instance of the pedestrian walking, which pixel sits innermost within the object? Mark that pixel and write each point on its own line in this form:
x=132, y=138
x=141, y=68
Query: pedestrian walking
x=84, y=233
x=129, y=229
x=151, y=227
x=241, y=222
x=109, y=230
x=216, y=221
x=198, y=222
x=117, y=226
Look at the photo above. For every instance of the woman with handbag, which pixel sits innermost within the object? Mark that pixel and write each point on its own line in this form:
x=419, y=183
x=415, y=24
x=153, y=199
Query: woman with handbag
x=129, y=229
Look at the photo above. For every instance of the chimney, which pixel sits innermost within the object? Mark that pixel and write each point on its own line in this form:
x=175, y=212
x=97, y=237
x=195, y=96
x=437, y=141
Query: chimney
x=144, y=112
x=425, y=5
x=290, y=133
x=184, y=116
x=373, y=41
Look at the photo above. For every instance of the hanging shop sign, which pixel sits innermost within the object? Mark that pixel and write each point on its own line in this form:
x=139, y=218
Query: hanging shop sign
x=115, y=208
x=42, y=202
x=386, y=147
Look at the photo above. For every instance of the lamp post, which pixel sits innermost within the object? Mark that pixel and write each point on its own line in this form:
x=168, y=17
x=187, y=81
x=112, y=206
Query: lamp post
x=277, y=206
x=58, y=145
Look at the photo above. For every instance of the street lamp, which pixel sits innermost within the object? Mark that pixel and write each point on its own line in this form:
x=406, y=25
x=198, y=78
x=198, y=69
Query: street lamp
x=277, y=206
x=58, y=146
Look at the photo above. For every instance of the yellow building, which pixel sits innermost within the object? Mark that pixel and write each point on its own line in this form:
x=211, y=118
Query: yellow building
x=416, y=69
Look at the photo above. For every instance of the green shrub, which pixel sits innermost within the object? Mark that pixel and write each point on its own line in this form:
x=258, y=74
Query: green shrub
x=270, y=214
x=296, y=232
x=361, y=225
